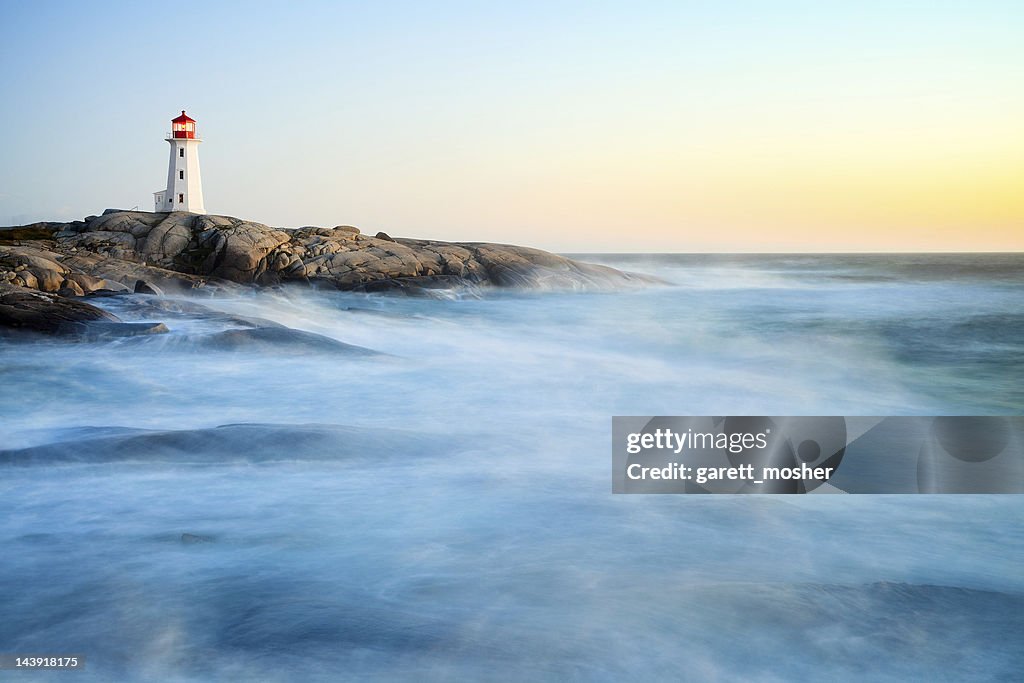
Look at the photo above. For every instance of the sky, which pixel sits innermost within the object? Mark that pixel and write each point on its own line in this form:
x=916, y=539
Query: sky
x=572, y=126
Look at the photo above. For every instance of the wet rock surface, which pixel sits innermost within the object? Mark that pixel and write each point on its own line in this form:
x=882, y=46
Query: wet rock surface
x=26, y=310
x=279, y=338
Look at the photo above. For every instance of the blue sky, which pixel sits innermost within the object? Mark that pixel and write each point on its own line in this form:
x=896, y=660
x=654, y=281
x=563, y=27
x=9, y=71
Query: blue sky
x=686, y=126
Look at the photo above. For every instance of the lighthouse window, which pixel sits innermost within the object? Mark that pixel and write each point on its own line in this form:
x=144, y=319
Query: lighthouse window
x=181, y=152
x=181, y=198
x=181, y=175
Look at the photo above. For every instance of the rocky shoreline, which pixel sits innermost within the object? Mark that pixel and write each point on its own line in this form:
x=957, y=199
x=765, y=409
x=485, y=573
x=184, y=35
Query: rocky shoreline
x=48, y=270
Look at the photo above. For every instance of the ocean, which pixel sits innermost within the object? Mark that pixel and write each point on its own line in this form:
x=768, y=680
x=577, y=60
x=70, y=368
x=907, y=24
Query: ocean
x=178, y=510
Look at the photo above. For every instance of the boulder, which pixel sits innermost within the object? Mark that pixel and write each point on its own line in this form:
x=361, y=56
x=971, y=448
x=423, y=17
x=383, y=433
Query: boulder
x=104, y=270
x=29, y=310
x=143, y=287
x=70, y=288
x=87, y=283
x=280, y=339
x=101, y=330
x=168, y=239
x=113, y=286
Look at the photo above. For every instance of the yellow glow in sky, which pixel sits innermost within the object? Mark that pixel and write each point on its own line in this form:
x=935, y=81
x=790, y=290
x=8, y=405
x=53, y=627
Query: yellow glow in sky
x=639, y=126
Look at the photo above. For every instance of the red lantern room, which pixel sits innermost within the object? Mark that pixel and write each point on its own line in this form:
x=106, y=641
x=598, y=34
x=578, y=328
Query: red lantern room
x=183, y=126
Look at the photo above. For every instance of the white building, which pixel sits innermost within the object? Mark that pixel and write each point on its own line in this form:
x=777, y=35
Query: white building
x=184, y=190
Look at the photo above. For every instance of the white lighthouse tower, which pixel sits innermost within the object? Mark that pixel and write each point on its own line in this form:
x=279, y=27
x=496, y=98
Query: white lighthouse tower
x=184, y=183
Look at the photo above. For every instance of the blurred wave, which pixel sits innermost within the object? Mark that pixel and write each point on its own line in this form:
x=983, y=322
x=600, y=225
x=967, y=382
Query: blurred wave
x=297, y=484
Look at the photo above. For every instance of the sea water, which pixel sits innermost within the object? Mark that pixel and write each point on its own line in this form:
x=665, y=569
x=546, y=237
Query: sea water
x=443, y=510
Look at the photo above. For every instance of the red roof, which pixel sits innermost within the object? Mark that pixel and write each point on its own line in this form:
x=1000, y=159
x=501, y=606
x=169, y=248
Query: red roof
x=183, y=118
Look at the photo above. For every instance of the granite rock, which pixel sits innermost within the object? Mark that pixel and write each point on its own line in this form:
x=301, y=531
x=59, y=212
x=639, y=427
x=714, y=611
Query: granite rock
x=182, y=251
x=29, y=310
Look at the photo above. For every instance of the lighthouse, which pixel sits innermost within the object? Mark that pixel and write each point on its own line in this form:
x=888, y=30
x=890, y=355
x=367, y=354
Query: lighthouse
x=184, y=190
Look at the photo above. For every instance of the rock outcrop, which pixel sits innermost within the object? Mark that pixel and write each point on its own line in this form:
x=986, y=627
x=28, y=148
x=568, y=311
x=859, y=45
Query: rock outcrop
x=46, y=267
x=27, y=310
x=174, y=251
x=280, y=339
